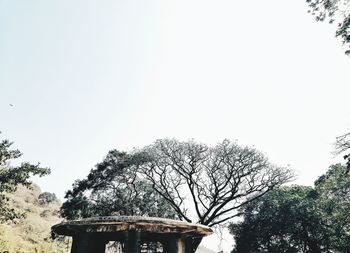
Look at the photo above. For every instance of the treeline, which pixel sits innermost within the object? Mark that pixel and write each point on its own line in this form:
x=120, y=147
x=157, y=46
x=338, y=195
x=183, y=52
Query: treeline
x=186, y=180
x=209, y=185
x=221, y=183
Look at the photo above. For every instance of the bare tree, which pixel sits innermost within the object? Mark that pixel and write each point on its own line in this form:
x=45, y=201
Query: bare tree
x=342, y=145
x=209, y=183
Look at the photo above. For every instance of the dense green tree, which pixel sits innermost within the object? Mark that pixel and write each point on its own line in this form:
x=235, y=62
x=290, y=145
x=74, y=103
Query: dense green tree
x=284, y=220
x=299, y=218
x=333, y=203
x=337, y=11
x=112, y=188
x=47, y=197
x=12, y=176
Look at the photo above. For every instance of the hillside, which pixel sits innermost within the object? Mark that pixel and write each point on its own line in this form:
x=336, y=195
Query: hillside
x=31, y=234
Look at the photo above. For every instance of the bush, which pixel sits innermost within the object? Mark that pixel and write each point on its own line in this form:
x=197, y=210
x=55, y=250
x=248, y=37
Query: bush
x=47, y=197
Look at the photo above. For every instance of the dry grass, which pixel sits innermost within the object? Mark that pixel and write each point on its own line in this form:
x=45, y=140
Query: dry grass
x=31, y=234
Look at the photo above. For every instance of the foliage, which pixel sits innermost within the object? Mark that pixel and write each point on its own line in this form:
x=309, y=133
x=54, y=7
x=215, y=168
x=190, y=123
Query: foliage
x=219, y=180
x=32, y=233
x=333, y=203
x=112, y=188
x=334, y=11
x=169, y=177
x=299, y=218
x=12, y=176
x=284, y=220
x=212, y=182
x=47, y=197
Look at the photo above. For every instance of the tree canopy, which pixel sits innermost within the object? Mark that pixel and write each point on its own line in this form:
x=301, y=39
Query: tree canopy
x=169, y=178
x=12, y=176
x=207, y=185
x=333, y=203
x=337, y=11
x=47, y=197
x=283, y=220
x=112, y=188
x=299, y=218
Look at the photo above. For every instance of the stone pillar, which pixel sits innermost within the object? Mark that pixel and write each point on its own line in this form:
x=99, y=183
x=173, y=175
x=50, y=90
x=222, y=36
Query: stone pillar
x=133, y=242
x=174, y=245
x=88, y=243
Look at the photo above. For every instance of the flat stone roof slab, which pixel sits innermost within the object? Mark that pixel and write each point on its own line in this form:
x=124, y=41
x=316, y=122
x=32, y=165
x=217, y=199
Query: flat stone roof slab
x=120, y=224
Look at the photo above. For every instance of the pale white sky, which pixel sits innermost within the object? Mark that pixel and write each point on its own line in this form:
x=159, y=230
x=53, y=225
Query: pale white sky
x=88, y=76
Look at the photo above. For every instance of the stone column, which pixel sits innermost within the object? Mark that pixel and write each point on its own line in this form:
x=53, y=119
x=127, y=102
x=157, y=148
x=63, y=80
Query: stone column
x=133, y=241
x=174, y=245
x=88, y=243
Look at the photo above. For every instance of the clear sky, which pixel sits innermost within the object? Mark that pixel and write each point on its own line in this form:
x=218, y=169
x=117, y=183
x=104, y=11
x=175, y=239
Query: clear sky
x=88, y=76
